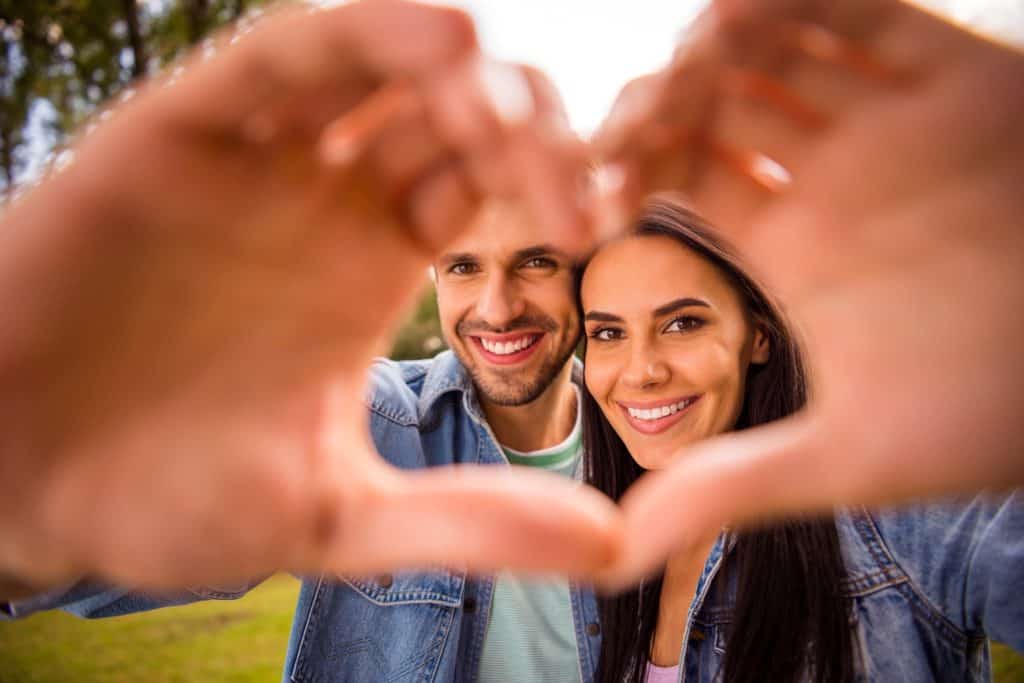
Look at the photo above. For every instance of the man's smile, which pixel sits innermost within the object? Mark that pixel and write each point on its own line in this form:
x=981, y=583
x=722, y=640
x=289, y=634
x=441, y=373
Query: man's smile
x=507, y=349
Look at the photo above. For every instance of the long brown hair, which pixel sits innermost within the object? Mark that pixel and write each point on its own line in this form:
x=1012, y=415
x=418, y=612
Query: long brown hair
x=790, y=622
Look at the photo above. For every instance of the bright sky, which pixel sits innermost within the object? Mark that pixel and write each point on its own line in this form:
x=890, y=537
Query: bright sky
x=591, y=48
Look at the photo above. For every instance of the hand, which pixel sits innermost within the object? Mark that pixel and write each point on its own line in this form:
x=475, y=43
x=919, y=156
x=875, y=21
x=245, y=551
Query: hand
x=192, y=305
x=889, y=224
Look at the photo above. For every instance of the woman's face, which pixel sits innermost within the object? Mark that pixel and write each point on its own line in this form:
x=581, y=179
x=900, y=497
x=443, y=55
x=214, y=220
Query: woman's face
x=669, y=343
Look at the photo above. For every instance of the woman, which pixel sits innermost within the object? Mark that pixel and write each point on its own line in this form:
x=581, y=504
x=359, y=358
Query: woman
x=682, y=345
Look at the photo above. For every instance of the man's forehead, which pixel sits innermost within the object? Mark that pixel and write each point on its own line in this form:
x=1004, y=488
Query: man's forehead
x=500, y=230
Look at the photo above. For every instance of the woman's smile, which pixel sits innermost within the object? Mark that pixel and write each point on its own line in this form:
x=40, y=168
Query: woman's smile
x=654, y=417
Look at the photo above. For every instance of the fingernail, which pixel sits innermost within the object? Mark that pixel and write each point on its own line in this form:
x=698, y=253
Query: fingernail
x=770, y=174
x=507, y=90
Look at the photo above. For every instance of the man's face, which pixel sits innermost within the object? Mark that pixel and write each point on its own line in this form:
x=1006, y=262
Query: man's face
x=506, y=305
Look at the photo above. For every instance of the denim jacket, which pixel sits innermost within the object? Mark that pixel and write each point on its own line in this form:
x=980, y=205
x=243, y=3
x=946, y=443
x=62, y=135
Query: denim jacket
x=929, y=584
x=405, y=626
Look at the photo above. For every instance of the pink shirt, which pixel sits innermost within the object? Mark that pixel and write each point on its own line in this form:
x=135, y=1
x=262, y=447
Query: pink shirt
x=662, y=674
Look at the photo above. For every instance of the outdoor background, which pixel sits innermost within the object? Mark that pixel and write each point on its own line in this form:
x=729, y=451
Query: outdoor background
x=62, y=60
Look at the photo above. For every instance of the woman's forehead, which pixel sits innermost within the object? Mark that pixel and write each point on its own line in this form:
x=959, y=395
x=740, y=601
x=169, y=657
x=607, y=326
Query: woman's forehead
x=640, y=270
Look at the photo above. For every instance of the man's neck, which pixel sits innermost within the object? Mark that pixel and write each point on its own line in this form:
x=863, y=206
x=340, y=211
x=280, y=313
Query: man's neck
x=544, y=422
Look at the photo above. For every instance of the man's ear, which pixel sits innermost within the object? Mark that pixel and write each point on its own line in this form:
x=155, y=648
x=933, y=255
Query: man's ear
x=762, y=349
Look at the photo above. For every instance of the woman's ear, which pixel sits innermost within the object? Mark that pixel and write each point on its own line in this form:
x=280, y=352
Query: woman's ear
x=762, y=348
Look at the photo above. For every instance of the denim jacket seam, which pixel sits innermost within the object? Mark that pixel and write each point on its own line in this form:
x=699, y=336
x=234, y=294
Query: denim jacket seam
x=415, y=597
x=969, y=567
x=484, y=616
x=442, y=637
x=578, y=619
x=306, y=627
x=912, y=592
x=391, y=414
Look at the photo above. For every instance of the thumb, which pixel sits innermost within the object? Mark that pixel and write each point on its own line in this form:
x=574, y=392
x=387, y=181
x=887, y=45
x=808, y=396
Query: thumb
x=481, y=518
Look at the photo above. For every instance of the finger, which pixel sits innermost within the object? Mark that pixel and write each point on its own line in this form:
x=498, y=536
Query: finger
x=483, y=519
x=529, y=152
x=651, y=135
x=869, y=37
x=441, y=205
x=763, y=473
x=347, y=140
x=337, y=55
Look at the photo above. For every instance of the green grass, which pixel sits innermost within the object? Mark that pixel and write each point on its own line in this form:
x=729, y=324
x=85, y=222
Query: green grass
x=240, y=641
x=237, y=641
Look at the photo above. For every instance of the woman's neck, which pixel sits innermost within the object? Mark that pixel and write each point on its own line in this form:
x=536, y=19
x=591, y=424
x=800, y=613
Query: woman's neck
x=678, y=589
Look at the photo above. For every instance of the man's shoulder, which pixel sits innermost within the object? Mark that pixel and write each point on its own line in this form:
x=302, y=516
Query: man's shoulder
x=401, y=391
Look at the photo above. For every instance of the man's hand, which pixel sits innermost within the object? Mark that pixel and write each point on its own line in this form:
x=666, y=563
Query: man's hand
x=191, y=307
x=867, y=159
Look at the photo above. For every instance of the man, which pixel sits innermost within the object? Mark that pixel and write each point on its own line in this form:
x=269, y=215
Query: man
x=506, y=392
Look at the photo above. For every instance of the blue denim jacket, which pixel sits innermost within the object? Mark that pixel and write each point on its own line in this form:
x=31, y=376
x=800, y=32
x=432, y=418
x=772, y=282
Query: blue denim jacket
x=406, y=626
x=929, y=583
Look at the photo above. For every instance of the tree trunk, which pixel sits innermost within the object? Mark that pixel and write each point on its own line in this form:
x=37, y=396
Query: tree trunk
x=138, y=45
x=7, y=162
x=195, y=14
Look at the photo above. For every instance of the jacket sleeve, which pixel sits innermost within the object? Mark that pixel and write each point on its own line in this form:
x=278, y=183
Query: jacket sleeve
x=967, y=558
x=93, y=600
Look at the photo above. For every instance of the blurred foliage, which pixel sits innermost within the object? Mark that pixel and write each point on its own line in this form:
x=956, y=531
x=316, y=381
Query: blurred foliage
x=60, y=60
x=421, y=336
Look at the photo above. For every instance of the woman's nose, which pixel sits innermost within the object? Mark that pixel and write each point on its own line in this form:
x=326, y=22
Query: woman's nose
x=645, y=368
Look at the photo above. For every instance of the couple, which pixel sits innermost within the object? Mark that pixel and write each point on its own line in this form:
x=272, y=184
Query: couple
x=681, y=344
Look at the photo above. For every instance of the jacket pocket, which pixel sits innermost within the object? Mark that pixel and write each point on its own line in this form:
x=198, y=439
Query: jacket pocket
x=438, y=587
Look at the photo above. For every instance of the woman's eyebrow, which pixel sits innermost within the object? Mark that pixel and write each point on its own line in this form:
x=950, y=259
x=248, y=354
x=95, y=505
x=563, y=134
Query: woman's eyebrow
x=673, y=306
x=602, y=317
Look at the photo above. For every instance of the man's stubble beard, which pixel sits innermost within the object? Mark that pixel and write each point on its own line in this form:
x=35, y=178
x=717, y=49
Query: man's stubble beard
x=511, y=390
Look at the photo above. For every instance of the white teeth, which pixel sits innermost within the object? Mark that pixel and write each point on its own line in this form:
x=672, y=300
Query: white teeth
x=506, y=348
x=658, y=413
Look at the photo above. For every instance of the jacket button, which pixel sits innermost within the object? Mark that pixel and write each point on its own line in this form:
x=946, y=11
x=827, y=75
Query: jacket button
x=469, y=605
x=593, y=629
x=385, y=580
x=697, y=634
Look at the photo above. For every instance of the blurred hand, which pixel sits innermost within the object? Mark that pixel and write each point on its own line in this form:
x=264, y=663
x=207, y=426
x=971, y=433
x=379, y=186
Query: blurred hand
x=191, y=306
x=867, y=159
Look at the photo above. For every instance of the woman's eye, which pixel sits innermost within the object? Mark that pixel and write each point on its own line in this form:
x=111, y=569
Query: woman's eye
x=606, y=334
x=685, y=323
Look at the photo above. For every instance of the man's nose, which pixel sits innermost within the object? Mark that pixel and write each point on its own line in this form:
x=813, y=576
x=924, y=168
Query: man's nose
x=500, y=302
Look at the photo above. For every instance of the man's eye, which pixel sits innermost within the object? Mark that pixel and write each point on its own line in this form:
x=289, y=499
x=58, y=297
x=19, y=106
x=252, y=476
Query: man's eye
x=463, y=269
x=684, y=323
x=540, y=262
x=606, y=334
